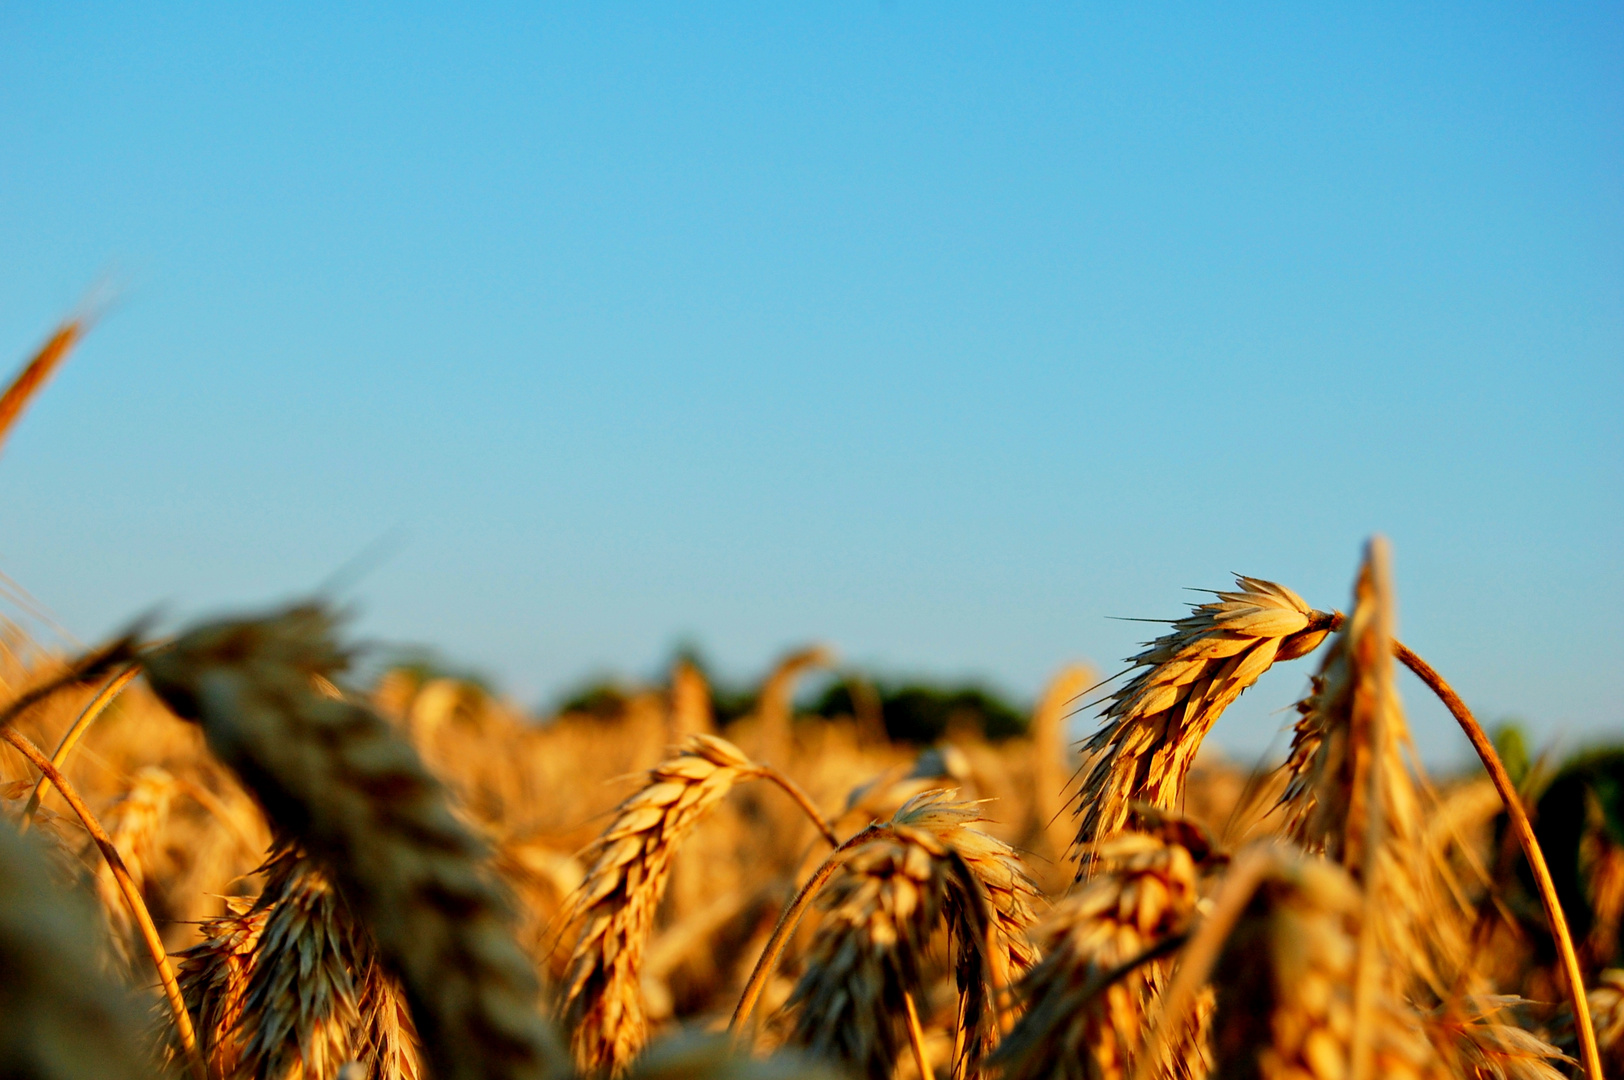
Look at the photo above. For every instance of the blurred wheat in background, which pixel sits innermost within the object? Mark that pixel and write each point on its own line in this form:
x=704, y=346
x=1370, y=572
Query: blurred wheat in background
x=226, y=855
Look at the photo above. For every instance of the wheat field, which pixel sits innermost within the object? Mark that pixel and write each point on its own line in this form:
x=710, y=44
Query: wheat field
x=227, y=856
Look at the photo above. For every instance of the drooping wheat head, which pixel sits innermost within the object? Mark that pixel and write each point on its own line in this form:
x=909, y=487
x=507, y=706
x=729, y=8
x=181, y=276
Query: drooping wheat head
x=1153, y=725
x=1084, y=1014
x=340, y=779
x=928, y=867
x=630, y=868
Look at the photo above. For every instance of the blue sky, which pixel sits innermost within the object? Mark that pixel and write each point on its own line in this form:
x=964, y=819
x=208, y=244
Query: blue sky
x=939, y=333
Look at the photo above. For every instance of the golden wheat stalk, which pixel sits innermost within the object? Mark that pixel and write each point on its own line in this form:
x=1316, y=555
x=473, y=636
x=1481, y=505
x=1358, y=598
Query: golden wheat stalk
x=70, y=738
x=59, y=1015
x=1152, y=727
x=631, y=866
x=1086, y=999
x=352, y=790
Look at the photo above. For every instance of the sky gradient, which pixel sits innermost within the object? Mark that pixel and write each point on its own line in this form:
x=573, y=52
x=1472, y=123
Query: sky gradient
x=938, y=333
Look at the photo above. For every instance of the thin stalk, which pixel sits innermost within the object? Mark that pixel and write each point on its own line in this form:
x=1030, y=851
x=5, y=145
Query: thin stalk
x=793, y=790
x=916, y=1036
x=1524, y=831
x=86, y=667
x=104, y=697
x=787, y=921
x=132, y=897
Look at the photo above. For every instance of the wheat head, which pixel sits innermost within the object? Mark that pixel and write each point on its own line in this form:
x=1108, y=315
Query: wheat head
x=629, y=871
x=928, y=866
x=1152, y=727
x=340, y=779
x=1286, y=987
x=1351, y=795
x=1607, y=1007
x=1084, y=1014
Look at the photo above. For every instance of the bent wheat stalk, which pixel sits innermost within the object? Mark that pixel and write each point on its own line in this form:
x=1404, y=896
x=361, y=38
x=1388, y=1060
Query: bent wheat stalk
x=1524, y=831
x=132, y=897
x=1153, y=726
x=59, y=757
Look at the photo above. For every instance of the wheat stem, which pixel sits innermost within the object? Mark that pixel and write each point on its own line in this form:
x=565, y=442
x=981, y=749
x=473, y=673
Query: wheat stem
x=1524, y=831
x=86, y=667
x=788, y=920
x=132, y=896
x=59, y=757
x=804, y=801
x=916, y=1038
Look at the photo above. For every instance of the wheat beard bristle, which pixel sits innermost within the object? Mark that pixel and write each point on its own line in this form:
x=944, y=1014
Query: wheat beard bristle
x=60, y=1017
x=880, y=909
x=340, y=778
x=1077, y=1025
x=1472, y=1037
x=631, y=866
x=1152, y=727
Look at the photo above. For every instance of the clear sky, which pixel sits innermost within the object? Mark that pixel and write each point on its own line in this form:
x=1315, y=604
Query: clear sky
x=939, y=333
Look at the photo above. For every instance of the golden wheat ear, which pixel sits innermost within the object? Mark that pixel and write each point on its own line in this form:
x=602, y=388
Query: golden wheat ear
x=59, y=1015
x=347, y=785
x=887, y=891
x=616, y=904
x=1103, y=950
x=1153, y=725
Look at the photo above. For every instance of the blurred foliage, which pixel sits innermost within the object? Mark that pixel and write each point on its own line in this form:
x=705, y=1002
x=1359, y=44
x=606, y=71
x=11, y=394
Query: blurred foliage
x=921, y=712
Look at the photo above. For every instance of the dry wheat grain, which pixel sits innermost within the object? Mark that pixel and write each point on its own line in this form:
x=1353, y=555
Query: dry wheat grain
x=1085, y=1015
x=1152, y=727
x=630, y=867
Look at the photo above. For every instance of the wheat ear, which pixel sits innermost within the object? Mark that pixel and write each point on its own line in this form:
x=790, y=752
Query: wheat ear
x=356, y=795
x=887, y=891
x=60, y=1017
x=1471, y=1035
x=631, y=866
x=1085, y=1000
x=1152, y=727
